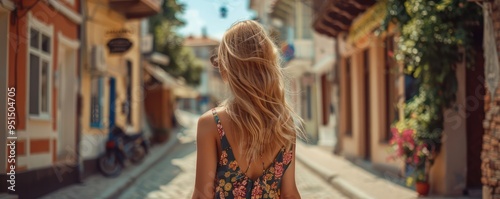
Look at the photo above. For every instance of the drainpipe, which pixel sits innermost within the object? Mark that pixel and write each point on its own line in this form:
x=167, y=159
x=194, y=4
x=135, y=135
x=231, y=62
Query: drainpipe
x=83, y=59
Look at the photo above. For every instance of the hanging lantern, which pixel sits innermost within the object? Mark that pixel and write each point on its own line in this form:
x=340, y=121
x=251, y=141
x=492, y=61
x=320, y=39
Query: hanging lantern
x=223, y=11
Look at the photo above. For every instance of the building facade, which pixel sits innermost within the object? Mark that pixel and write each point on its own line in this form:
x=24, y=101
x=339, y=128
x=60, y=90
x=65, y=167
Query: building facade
x=212, y=90
x=112, y=73
x=41, y=63
x=371, y=87
x=309, y=65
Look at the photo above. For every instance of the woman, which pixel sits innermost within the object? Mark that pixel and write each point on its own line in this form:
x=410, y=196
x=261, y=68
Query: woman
x=248, y=152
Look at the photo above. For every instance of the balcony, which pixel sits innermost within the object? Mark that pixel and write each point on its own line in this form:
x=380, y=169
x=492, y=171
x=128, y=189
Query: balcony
x=134, y=9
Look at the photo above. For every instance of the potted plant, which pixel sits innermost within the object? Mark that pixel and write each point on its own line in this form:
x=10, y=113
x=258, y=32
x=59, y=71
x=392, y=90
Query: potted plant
x=420, y=176
x=422, y=184
x=415, y=154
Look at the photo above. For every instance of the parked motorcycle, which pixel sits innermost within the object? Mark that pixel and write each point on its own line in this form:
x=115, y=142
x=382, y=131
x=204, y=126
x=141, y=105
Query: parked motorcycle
x=121, y=147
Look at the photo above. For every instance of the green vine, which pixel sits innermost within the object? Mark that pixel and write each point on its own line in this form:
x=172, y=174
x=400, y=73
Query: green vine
x=434, y=37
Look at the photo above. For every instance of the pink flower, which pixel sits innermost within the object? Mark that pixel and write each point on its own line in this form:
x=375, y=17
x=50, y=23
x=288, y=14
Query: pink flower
x=257, y=190
x=239, y=189
x=416, y=160
x=278, y=169
x=219, y=129
x=288, y=157
x=408, y=136
x=390, y=53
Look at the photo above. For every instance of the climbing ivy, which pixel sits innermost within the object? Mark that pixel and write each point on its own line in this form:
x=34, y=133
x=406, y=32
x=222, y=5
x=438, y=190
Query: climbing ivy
x=433, y=37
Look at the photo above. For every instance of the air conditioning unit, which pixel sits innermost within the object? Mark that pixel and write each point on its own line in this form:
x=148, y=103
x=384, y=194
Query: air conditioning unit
x=97, y=60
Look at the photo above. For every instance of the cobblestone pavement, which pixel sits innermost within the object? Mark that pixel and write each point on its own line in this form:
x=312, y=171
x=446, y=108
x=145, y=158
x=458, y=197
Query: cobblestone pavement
x=174, y=178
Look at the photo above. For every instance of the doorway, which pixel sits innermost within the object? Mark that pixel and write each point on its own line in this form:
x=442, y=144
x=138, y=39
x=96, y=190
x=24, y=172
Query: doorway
x=66, y=103
x=129, y=81
x=112, y=102
x=366, y=78
x=475, y=92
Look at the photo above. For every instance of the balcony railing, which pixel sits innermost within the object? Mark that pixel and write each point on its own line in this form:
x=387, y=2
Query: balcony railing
x=137, y=8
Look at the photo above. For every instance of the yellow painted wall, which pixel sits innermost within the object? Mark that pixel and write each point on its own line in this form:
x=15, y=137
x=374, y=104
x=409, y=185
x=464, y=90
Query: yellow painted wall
x=379, y=145
x=134, y=54
x=348, y=143
x=449, y=173
x=358, y=105
x=355, y=145
x=102, y=19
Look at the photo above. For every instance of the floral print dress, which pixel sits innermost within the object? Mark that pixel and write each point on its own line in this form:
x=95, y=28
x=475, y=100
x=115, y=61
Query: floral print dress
x=231, y=181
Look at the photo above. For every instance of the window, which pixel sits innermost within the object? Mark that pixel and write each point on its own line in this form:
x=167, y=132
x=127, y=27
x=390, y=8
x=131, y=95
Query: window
x=96, y=102
x=39, y=69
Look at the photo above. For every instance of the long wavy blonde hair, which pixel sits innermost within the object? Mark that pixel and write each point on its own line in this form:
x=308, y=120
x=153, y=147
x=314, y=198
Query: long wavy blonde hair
x=250, y=64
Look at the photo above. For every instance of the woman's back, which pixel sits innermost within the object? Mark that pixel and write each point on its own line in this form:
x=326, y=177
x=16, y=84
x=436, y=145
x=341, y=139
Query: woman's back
x=255, y=179
x=252, y=156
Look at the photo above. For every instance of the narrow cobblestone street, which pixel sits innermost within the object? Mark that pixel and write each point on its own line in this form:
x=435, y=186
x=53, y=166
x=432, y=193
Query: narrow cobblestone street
x=173, y=177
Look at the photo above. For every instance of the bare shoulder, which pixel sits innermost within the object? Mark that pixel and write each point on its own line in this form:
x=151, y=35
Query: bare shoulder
x=207, y=128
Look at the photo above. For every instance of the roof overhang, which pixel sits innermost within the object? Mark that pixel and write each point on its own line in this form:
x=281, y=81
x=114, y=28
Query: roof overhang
x=159, y=74
x=178, y=87
x=134, y=9
x=336, y=16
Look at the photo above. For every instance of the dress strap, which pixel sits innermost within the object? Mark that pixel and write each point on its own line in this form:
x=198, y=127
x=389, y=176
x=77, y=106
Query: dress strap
x=287, y=156
x=220, y=130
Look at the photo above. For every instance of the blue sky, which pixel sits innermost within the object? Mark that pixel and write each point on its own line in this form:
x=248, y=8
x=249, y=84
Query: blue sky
x=205, y=13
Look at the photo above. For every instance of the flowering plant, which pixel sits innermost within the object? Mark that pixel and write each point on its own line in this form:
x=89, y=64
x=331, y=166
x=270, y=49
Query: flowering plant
x=413, y=151
x=407, y=147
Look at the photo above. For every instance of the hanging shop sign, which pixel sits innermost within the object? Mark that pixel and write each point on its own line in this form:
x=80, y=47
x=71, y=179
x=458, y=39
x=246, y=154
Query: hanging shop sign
x=119, y=45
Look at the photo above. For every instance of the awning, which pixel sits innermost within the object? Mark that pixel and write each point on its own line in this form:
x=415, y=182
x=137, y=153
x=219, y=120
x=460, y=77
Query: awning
x=179, y=88
x=337, y=15
x=159, y=74
x=296, y=67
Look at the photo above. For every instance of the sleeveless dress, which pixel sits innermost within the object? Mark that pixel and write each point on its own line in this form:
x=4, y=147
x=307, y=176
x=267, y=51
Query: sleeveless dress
x=231, y=181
